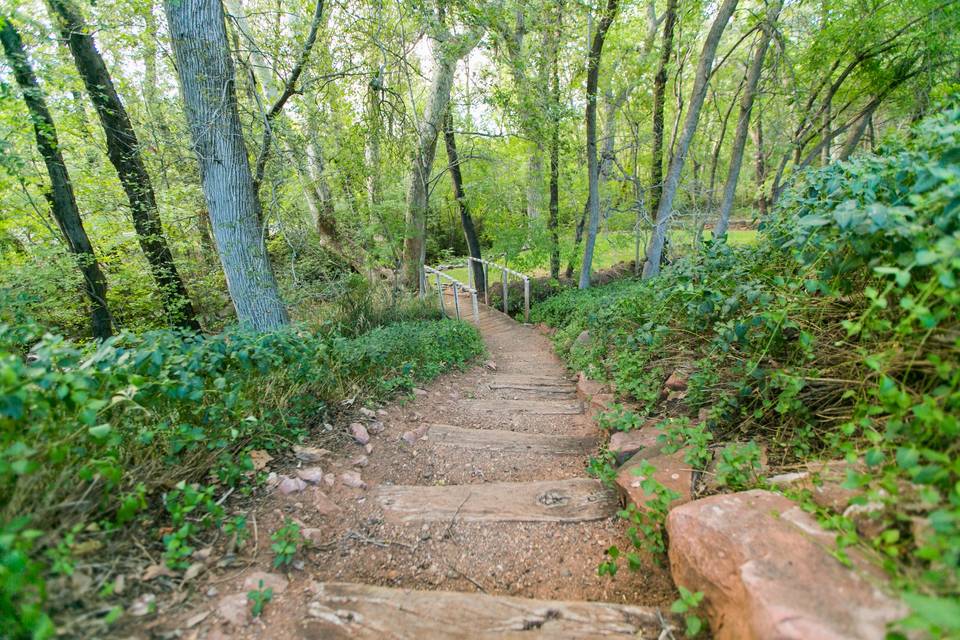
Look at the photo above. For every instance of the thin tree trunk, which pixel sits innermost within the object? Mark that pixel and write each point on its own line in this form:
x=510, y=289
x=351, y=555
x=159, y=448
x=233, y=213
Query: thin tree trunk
x=372, y=148
x=853, y=139
x=699, y=92
x=555, y=143
x=466, y=220
x=715, y=159
x=123, y=149
x=63, y=204
x=593, y=168
x=446, y=54
x=659, y=94
x=760, y=165
x=743, y=121
x=199, y=40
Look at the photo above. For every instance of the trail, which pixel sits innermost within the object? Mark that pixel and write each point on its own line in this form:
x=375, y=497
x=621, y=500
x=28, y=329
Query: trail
x=488, y=526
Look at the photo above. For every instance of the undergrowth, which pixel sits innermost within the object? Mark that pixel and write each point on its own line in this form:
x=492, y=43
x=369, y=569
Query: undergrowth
x=147, y=433
x=837, y=335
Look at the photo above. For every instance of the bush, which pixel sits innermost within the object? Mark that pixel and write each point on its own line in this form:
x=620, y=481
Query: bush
x=836, y=335
x=93, y=438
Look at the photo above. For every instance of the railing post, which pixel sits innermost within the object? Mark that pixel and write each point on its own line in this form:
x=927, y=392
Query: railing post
x=486, y=284
x=456, y=298
x=470, y=272
x=476, y=307
x=526, y=300
x=443, y=310
x=506, y=310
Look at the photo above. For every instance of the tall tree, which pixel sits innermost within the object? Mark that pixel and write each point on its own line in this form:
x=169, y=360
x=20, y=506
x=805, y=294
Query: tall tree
x=466, y=220
x=659, y=95
x=447, y=50
x=198, y=37
x=593, y=167
x=555, y=108
x=123, y=149
x=63, y=203
x=697, y=95
x=743, y=121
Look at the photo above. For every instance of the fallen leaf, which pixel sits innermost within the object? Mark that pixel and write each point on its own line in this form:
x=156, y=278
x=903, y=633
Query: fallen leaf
x=260, y=459
x=192, y=572
x=155, y=571
x=86, y=547
x=194, y=620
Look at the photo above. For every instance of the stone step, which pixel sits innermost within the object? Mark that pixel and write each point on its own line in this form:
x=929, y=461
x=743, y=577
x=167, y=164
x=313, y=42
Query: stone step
x=575, y=500
x=342, y=610
x=535, y=407
x=510, y=441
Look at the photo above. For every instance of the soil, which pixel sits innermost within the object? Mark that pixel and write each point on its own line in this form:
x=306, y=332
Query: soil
x=352, y=542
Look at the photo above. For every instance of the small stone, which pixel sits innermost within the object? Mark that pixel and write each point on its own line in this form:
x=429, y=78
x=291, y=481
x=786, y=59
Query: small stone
x=410, y=437
x=490, y=364
x=368, y=413
x=330, y=479
x=352, y=479
x=291, y=485
x=368, y=448
x=375, y=427
x=417, y=391
x=270, y=581
x=234, y=609
x=360, y=461
x=310, y=454
x=382, y=413
x=625, y=444
x=359, y=432
x=145, y=604
x=213, y=592
x=312, y=475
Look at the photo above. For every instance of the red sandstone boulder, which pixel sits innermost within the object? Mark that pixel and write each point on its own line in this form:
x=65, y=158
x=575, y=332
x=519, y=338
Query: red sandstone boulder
x=672, y=471
x=624, y=444
x=765, y=569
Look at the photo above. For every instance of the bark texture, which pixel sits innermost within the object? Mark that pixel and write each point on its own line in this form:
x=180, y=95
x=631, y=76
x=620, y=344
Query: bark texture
x=199, y=41
x=672, y=182
x=466, y=220
x=659, y=95
x=63, y=204
x=123, y=149
x=743, y=121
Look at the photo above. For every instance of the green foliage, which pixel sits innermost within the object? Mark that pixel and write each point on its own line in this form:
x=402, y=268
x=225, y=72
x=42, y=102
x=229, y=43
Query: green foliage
x=679, y=433
x=286, y=542
x=685, y=605
x=108, y=428
x=259, y=598
x=619, y=418
x=833, y=336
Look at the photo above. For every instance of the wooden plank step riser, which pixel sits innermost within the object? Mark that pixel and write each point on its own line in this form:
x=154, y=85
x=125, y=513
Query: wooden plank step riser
x=500, y=441
x=577, y=500
x=341, y=610
x=533, y=379
x=535, y=407
x=563, y=390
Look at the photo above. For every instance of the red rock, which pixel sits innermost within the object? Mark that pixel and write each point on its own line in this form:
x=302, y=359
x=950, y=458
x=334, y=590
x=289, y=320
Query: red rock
x=359, y=433
x=375, y=427
x=323, y=505
x=360, y=461
x=368, y=413
x=625, y=444
x=672, y=471
x=291, y=485
x=312, y=475
x=676, y=382
x=310, y=454
x=270, y=581
x=234, y=609
x=352, y=479
x=765, y=569
x=587, y=388
x=824, y=480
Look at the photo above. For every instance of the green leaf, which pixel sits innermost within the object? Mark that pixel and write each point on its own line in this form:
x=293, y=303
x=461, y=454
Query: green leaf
x=100, y=431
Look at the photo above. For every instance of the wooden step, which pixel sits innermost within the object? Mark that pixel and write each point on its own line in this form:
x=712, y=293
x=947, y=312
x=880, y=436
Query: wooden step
x=541, y=388
x=576, y=500
x=535, y=407
x=341, y=610
x=510, y=441
x=541, y=380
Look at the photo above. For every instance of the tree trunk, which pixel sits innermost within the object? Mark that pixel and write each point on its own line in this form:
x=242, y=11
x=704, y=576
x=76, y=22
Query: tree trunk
x=466, y=220
x=659, y=95
x=63, y=204
x=593, y=169
x=743, y=121
x=372, y=148
x=199, y=40
x=446, y=54
x=760, y=166
x=856, y=133
x=535, y=181
x=699, y=92
x=555, y=144
x=123, y=149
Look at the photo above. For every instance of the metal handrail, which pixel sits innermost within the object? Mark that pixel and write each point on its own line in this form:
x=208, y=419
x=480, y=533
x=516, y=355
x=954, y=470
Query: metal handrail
x=457, y=285
x=504, y=270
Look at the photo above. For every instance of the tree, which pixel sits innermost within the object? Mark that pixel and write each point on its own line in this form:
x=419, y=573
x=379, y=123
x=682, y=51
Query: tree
x=466, y=220
x=199, y=40
x=447, y=50
x=62, y=201
x=743, y=121
x=123, y=149
x=593, y=168
x=659, y=93
x=697, y=95
x=555, y=107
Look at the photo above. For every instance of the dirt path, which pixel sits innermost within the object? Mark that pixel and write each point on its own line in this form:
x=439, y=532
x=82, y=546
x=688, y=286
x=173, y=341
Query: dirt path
x=493, y=500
